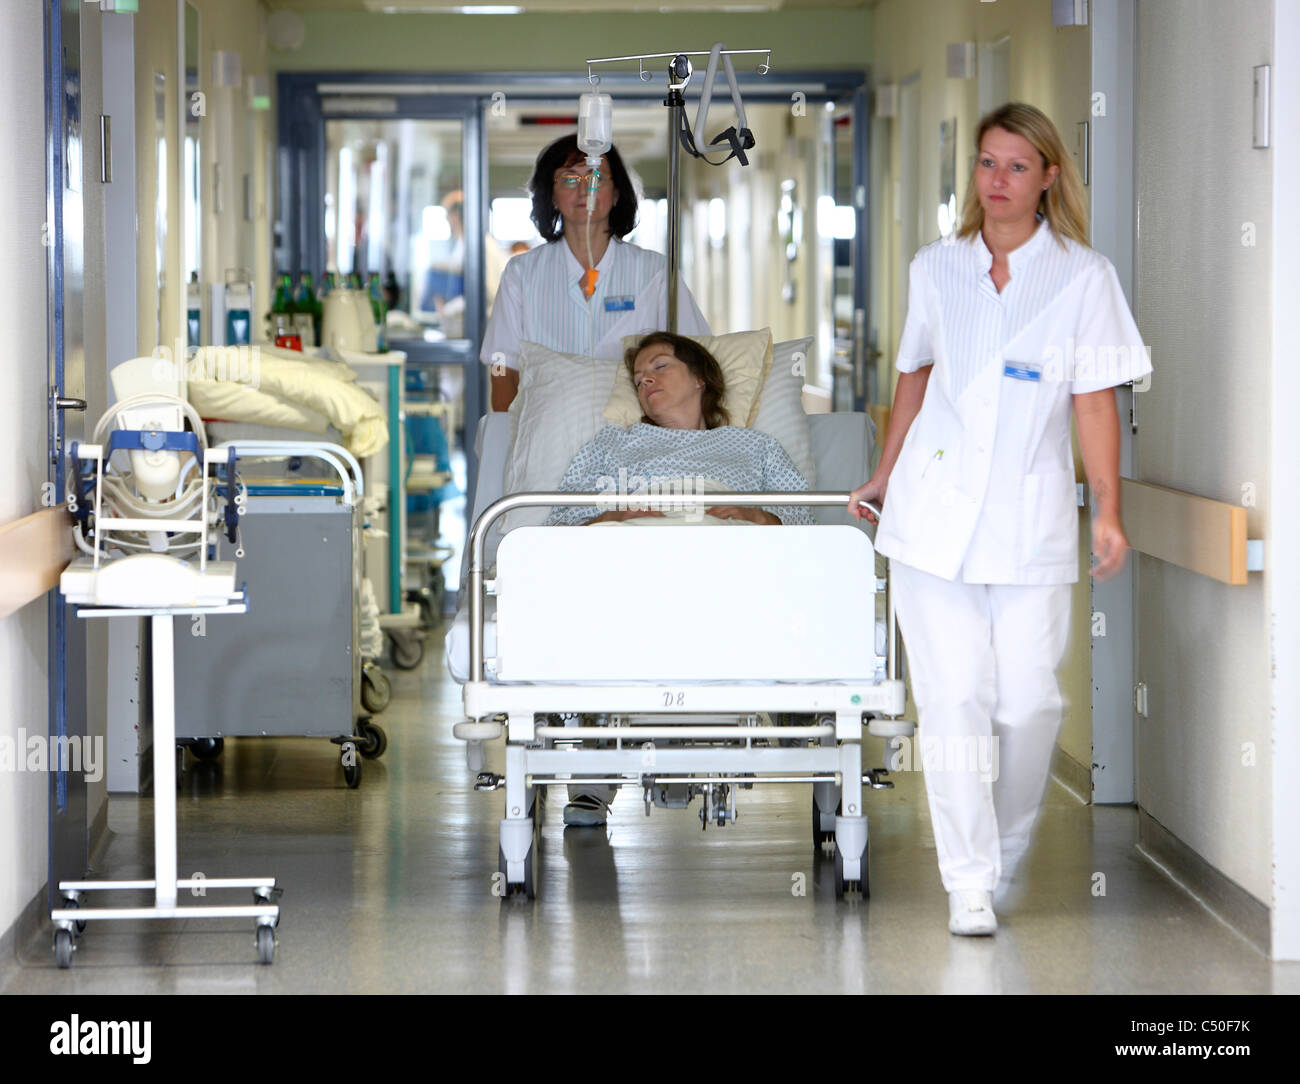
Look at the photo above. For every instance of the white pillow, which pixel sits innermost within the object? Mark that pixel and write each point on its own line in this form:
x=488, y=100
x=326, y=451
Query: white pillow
x=556, y=411
x=745, y=358
x=780, y=406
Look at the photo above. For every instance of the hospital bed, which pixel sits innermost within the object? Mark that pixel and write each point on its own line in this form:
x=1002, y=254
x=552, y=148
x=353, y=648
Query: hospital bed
x=667, y=657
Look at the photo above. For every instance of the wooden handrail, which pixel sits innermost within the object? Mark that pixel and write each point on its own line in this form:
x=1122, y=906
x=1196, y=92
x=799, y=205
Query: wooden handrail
x=1195, y=533
x=34, y=551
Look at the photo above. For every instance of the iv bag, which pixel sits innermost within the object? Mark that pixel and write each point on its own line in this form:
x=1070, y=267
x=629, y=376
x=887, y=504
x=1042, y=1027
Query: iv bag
x=595, y=124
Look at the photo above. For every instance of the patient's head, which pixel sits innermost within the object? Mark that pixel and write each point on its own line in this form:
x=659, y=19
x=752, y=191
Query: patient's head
x=678, y=383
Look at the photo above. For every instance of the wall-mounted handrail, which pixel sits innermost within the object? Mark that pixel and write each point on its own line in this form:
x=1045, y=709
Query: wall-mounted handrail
x=1196, y=533
x=34, y=551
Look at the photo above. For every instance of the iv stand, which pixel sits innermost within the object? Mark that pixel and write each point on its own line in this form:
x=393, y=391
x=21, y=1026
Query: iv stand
x=679, y=75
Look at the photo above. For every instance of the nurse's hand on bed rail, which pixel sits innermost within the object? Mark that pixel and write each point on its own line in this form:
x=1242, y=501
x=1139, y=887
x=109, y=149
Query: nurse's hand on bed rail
x=615, y=515
x=866, y=500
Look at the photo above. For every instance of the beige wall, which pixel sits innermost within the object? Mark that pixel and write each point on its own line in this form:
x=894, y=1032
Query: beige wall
x=1050, y=69
x=1204, y=306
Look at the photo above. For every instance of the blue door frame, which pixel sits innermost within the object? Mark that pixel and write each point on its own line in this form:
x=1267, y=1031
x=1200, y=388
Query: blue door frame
x=68, y=815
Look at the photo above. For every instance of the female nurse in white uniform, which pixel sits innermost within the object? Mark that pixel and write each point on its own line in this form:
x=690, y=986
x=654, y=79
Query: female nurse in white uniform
x=1013, y=325
x=548, y=296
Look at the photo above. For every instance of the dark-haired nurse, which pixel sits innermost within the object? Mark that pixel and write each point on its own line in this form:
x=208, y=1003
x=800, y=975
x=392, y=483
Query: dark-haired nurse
x=548, y=295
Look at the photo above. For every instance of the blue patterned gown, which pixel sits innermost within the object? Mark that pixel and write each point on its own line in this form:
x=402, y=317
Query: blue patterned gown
x=649, y=458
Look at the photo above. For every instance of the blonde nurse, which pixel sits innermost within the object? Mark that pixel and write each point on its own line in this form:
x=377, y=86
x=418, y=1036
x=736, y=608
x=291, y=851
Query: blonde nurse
x=1014, y=326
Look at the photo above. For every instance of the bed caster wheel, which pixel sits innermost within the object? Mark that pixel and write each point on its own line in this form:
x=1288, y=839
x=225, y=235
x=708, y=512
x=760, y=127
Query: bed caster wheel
x=844, y=887
x=374, y=742
x=376, y=689
x=350, y=758
x=265, y=944
x=821, y=836
x=407, y=651
x=268, y=895
x=207, y=749
x=72, y=903
x=63, y=948
x=528, y=886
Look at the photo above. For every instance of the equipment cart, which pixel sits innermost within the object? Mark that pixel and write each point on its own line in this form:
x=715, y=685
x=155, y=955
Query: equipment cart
x=291, y=667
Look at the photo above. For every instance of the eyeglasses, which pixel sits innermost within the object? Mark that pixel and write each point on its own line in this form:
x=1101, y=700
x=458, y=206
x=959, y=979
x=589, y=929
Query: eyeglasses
x=570, y=180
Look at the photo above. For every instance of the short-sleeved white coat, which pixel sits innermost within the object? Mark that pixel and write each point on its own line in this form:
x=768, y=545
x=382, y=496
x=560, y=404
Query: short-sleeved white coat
x=540, y=300
x=984, y=486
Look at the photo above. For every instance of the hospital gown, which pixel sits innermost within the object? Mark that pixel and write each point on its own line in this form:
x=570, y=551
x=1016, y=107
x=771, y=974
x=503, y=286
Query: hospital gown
x=649, y=458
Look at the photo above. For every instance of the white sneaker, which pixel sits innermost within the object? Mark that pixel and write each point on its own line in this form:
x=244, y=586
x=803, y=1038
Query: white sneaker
x=970, y=914
x=585, y=811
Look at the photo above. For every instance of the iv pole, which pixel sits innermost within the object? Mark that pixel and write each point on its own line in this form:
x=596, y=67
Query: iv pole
x=679, y=75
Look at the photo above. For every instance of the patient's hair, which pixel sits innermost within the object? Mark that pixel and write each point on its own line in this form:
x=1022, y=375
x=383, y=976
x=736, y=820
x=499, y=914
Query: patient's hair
x=703, y=366
x=555, y=157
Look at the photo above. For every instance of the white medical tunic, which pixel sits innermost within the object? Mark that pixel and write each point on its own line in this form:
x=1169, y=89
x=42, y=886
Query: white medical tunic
x=984, y=487
x=540, y=300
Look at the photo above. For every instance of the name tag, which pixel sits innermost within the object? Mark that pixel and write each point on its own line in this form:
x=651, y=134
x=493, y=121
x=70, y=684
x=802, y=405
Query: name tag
x=1023, y=372
x=620, y=304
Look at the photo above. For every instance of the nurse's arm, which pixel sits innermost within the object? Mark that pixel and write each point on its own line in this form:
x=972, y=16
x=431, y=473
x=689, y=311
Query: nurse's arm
x=908, y=397
x=505, y=386
x=1097, y=419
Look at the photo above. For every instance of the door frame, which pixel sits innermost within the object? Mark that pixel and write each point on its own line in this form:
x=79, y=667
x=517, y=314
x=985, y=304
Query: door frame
x=65, y=131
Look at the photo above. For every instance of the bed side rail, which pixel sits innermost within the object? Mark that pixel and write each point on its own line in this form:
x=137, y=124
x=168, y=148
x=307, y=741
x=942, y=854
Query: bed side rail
x=498, y=508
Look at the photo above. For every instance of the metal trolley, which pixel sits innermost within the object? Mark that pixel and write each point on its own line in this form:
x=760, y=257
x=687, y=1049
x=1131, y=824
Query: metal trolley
x=295, y=654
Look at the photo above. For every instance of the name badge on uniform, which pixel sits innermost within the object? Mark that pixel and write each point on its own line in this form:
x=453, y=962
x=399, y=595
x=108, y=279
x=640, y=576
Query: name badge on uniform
x=620, y=304
x=1023, y=371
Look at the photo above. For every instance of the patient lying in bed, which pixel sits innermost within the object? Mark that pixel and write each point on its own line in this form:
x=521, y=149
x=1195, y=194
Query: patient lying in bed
x=683, y=443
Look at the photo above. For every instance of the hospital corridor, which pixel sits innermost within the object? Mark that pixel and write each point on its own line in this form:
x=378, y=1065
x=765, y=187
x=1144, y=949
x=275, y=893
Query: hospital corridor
x=616, y=498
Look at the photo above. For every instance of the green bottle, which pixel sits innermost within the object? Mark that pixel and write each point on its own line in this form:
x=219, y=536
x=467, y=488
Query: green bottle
x=282, y=306
x=284, y=295
x=380, y=310
x=309, y=308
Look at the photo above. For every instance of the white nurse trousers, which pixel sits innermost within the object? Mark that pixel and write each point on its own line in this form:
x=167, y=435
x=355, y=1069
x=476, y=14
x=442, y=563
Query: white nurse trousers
x=982, y=659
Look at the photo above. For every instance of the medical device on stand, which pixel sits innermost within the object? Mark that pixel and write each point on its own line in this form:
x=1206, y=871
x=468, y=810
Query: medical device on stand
x=738, y=140
x=149, y=499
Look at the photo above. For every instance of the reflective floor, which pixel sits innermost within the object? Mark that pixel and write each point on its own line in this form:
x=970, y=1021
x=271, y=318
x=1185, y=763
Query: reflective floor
x=388, y=888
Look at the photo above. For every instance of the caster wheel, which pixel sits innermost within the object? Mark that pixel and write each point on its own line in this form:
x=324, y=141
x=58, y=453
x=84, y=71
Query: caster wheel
x=821, y=836
x=206, y=749
x=407, y=651
x=376, y=689
x=265, y=944
x=350, y=758
x=844, y=887
x=72, y=905
x=63, y=948
x=528, y=886
x=374, y=741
